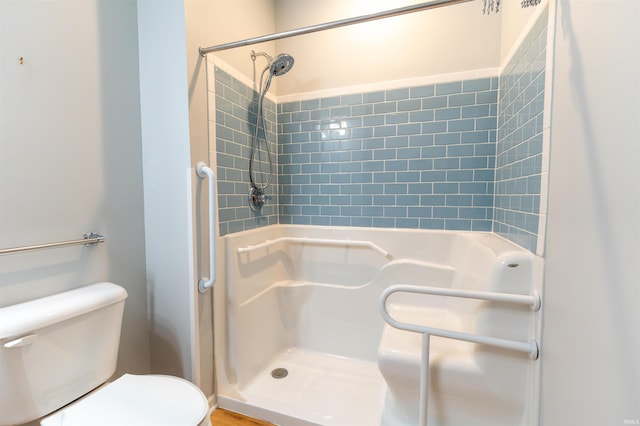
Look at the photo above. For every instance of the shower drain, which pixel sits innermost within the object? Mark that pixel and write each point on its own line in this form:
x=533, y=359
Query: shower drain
x=279, y=373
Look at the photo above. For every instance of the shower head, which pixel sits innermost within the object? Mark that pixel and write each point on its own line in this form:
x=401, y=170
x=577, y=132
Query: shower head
x=281, y=65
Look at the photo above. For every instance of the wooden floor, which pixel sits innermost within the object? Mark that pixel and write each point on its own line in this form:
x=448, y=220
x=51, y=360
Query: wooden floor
x=221, y=417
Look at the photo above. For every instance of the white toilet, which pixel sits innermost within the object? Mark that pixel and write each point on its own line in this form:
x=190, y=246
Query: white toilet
x=57, y=353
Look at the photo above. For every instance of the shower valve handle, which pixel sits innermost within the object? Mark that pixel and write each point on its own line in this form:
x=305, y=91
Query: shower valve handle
x=257, y=198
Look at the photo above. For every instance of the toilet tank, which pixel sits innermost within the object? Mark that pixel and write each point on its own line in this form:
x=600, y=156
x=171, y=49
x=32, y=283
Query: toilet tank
x=57, y=348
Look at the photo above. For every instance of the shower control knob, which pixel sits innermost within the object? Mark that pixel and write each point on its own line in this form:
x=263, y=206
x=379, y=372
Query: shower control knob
x=257, y=198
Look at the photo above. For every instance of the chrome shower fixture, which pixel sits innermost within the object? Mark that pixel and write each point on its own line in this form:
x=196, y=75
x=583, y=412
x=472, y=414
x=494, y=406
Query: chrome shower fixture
x=490, y=6
x=281, y=65
x=494, y=5
x=527, y=3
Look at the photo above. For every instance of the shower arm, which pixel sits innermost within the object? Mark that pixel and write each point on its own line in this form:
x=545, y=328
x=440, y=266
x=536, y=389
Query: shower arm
x=333, y=24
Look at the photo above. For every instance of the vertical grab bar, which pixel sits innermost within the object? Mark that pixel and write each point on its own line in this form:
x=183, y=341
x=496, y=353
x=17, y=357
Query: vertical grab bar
x=203, y=172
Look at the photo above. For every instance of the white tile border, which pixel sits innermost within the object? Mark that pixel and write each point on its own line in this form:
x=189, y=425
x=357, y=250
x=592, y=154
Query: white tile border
x=546, y=127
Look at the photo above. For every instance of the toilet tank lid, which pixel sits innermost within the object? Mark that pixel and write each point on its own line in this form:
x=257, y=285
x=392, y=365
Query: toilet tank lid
x=27, y=317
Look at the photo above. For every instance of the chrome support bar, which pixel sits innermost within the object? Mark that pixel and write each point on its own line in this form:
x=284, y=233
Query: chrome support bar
x=90, y=239
x=333, y=24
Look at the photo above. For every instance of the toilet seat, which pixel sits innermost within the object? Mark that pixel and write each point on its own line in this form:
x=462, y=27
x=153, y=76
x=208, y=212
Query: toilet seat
x=132, y=400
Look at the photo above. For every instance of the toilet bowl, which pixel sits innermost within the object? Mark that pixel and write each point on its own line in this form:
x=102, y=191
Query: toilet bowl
x=57, y=355
x=132, y=400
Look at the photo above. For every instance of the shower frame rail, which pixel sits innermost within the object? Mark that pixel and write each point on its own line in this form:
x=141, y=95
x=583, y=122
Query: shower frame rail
x=533, y=301
x=322, y=241
x=90, y=239
x=333, y=24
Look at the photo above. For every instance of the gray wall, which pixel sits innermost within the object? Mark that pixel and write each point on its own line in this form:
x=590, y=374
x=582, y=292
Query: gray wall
x=70, y=154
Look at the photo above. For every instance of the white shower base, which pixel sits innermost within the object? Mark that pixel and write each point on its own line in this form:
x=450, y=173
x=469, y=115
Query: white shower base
x=292, y=297
x=320, y=388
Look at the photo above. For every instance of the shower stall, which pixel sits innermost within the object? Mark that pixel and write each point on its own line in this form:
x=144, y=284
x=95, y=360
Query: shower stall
x=385, y=267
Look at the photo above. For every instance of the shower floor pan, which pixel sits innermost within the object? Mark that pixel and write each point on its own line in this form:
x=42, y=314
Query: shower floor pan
x=319, y=389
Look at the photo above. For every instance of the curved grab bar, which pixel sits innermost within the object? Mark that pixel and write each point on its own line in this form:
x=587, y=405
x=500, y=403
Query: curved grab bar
x=531, y=347
x=203, y=172
x=532, y=300
x=303, y=240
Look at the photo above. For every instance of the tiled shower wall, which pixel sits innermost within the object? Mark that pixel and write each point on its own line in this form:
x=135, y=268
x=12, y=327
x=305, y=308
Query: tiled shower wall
x=413, y=157
x=236, y=106
x=520, y=140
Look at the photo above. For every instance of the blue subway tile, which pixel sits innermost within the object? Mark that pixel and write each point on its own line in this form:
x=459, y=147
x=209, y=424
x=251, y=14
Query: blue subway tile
x=372, y=210
x=384, y=200
x=458, y=200
x=407, y=223
x=353, y=99
x=382, y=222
x=330, y=210
x=448, y=163
x=397, y=118
x=407, y=176
x=362, y=221
x=457, y=225
x=473, y=188
x=395, y=188
x=362, y=200
x=434, y=102
x=382, y=177
x=408, y=153
x=340, y=221
x=409, y=129
x=432, y=200
x=384, y=154
x=396, y=142
x=447, y=139
x=445, y=212
x=434, y=127
x=459, y=175
x=421, y=164
x=384, y=107
x=373, y=120
x=373, y=166
x=359, y=110
x=330, y=102
x=397, y=94
x=410, y=105
x=462, y=99
x=395, y=165
x=433, y=176
x=476, y=85
x=459, y=150
x=431, y=223
x=373, y=97
x=421, y=212
x=445, y=188
x=311, y=104
x=420, y=140
x=395, y=211
x=422, y=91
x=421, y=116
x=448, y=88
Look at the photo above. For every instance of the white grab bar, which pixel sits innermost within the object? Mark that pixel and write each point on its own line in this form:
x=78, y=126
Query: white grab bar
x=303, y=240
x=531, y=347
x=203, y=172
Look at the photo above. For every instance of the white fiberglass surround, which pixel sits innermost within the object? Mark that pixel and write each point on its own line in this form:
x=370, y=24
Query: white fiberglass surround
x=313, y=309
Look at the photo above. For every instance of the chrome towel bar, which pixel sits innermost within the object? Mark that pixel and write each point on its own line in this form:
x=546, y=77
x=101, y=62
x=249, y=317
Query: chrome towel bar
x=90, y=239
